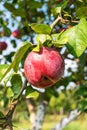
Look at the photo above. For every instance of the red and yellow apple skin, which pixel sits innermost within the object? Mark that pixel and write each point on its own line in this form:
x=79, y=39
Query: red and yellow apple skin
x=43, y=69
x=16, y=34
x=3, y=46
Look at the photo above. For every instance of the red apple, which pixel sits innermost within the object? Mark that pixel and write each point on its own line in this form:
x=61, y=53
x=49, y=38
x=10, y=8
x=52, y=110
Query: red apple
x=69, y=26
x=17, y=33
x=3, y=46
x=60, y=29
x=59, y=1
x=43, y=69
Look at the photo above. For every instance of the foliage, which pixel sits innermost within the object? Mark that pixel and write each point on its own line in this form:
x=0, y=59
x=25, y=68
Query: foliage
x=39, y=22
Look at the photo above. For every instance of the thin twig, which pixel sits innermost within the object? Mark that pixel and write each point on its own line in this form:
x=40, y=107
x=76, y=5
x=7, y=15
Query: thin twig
x=62, y=21
x=71, y=21
x=55, y=22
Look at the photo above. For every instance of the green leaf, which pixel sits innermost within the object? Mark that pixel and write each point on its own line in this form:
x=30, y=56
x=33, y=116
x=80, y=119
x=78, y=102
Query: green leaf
x=2, y=118
x=58, y=40
x=37, y=48
x=3, y=69
x=10, y=92
x=17, y=12
x=82, y=12
x=34, y=4
x=42, y=38
x=16, y=83
x=7, y=78
x=77, y=38
x=31, y=93
x=7, y=31
x=17, y=57
x=34, y=95
x=64, y=4
x=1, y=115
x=41, y=28
x=56, y=11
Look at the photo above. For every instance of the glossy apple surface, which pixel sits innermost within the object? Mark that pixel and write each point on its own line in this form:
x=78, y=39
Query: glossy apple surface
x=3, y=46
x=45, y=68
x=17, y=33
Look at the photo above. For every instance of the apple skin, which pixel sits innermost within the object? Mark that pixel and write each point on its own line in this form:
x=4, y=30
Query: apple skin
x=43, y=69
x=3, y=46
x=17, y=33
x=59, y=1
x=69, y=26
x=60, y=30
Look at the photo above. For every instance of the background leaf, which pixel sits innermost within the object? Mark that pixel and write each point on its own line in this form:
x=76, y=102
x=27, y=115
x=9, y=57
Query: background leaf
x=82, y=12
x=3, y=69
x=16, y=12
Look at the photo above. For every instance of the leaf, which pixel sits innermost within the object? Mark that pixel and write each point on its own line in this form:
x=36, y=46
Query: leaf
x=16, y=83
x=7, y=31
x=10, y=92
x=82, y=12
x=31, y=93
x=42, y=38
x=40, y=28
x=3, y=69
x=37, y=48
x=34, y=94
x=58, y=40
x=2, y=118
x=1, y=115
x=56, y=11
x=35, y=4
x=17, y=57
x=77, y=36
x=17, y=12
x=64, y=4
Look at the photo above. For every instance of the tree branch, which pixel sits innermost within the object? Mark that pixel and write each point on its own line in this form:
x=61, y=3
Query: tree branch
x=62, y=21
x=41, y=110
x=71, y=21
x=66, y=120
x=12, y=108
x=55, y=22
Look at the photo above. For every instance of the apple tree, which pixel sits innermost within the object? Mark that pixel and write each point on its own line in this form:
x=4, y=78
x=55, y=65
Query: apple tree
x=52, y=35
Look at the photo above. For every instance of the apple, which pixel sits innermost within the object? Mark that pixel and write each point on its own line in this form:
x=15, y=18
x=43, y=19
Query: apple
x=60, y=29
x=17, y=33
x=43, y=69
x=68, y=26
x=3, y=46
x=59, y=1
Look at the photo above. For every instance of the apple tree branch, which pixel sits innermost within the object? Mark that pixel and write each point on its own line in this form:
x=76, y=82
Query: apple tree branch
x=66, y=120
x=9, y=115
